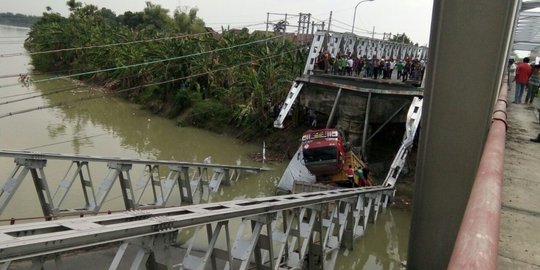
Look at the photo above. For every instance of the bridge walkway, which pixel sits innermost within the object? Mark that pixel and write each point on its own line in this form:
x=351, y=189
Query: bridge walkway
x=519, y=240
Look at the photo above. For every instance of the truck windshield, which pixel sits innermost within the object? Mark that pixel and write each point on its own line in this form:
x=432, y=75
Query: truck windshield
x=320, y=154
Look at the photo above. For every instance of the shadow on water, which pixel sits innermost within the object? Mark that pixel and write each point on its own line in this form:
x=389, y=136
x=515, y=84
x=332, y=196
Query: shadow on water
x=383, y=246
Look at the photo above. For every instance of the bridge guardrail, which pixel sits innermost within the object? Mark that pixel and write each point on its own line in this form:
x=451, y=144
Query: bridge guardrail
x=280, y=232
x=477, y=243
x=188, y=177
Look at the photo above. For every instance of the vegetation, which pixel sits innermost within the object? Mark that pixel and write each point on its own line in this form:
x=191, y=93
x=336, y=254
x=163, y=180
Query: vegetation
x=401, y=38
x=17, y=19
x=235, y=87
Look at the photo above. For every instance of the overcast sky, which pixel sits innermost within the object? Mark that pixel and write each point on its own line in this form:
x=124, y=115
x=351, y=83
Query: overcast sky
x=412, y=17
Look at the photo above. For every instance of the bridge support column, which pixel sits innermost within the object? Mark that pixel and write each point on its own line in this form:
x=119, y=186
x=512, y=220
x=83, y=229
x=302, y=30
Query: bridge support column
x=212, y=254
x=116, y=170
x=366, y=124
x=149, y=175
x=13, y=182
x=459, y=100
x=147, y=247
x=125, y=184
x=331, y=117
x=42, y=189
x=76, y=169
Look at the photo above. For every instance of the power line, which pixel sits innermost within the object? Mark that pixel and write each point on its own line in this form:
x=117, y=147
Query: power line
x=101, y=46
x=111, y=44
x=137, y=87
x=210, y=23
x=41, y=95
x=146, y=63
x=339, y=27
x=346, y=24
x=15, y=37
x=62, y=142
x=52, y=92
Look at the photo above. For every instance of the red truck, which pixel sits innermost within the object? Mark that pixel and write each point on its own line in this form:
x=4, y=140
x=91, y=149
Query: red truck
x=324, y=151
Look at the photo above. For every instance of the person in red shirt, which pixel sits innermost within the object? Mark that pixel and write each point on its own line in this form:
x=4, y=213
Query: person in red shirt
x=523, y=72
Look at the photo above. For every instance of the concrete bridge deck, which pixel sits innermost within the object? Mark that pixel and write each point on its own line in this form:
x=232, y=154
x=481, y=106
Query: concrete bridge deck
x=519, y=241
x=391, y=86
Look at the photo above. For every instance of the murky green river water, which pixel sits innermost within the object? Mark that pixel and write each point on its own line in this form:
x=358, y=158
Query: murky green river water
x=109, y=126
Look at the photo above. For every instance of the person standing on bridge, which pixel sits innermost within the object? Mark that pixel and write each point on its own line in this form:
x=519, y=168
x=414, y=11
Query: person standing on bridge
x=350, y=175
x=366, y=171
x=534, y=83
x=511, y=74
x=326, y=60
x=523, y=72
x=360, y=175
x=399, y=67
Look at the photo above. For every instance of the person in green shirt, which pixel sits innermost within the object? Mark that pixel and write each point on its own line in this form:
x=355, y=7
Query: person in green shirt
x=532, y=86
x=360, y=174
x=399, y=67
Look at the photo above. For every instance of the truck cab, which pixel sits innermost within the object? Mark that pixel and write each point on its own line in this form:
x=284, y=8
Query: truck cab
x=324, y=151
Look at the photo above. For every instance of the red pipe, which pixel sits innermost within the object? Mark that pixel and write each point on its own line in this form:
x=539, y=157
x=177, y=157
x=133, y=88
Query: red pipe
x=477, y=243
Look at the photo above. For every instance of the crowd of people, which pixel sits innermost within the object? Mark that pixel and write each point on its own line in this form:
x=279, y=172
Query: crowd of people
x=362, y=177
x=526, y=76
x=351, y=65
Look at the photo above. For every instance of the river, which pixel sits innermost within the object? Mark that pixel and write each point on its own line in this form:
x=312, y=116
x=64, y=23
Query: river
x=110, y=126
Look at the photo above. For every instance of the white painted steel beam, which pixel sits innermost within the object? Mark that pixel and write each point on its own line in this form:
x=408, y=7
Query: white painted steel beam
x=288, y=104
x=57, y=156
x=188, y=176
x=411, y=126
x=309, y=221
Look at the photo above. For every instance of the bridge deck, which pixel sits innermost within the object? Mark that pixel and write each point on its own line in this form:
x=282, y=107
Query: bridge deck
x=519, y=241
x=355, y=83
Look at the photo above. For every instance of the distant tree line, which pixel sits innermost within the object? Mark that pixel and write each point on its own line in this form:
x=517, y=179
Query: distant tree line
x=402, y=38
x=225, y=94
x=8, y=18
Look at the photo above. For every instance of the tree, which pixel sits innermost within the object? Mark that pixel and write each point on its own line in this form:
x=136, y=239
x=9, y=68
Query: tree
x=401, y=38
x=73, y=5
x=188, y=22
x=156, y=18
x=280, y=26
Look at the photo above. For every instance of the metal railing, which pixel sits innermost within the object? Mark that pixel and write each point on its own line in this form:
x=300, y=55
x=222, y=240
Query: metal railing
x=281, y=232
x=150, y=190
x=477, y=244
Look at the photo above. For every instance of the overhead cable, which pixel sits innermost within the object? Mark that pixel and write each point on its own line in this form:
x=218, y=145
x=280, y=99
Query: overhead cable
x=102, y=46
x=146, y=63
x=137, y=87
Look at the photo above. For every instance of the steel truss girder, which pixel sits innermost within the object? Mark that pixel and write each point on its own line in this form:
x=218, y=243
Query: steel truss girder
x=411, y=126
x=281, y=231
x=81, y=170
x=192, y=261
x=146, y=249
x=288, y=103
x=188, y=176
x=347, y=44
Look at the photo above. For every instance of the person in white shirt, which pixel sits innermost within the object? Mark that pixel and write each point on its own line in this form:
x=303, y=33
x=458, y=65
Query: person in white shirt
x=511, y=74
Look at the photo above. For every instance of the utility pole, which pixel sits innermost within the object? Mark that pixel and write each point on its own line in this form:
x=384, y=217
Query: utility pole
x=318, y=26
x=373, y=33
x=329, y=24
x=267, y=21
x=303, y=26
x=285, y=28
